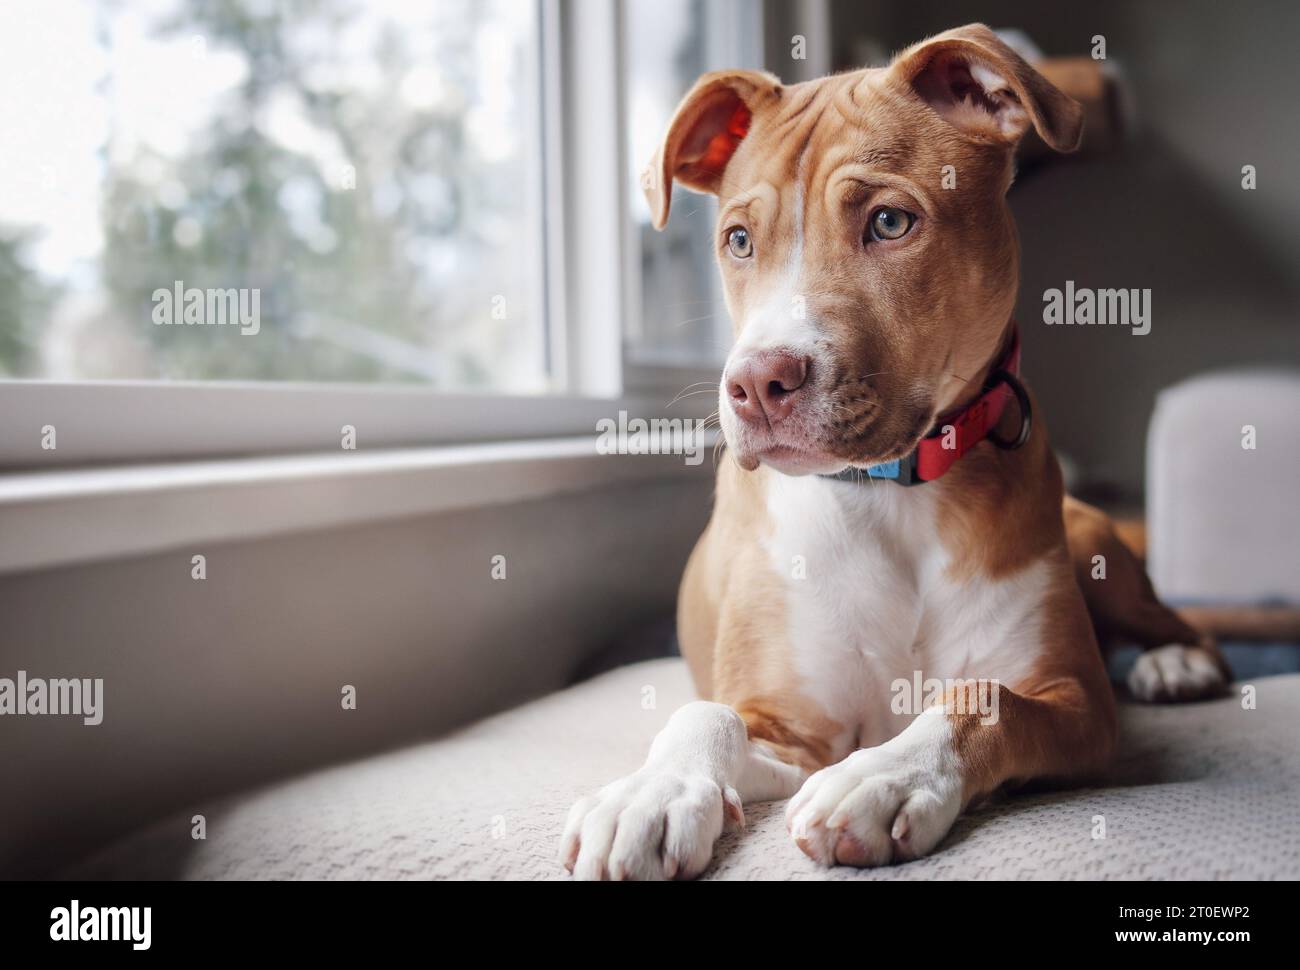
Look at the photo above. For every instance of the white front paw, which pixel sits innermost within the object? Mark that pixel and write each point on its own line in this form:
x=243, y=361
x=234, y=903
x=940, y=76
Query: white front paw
x=654, y=824
x=1176, y=672
x=875, y=807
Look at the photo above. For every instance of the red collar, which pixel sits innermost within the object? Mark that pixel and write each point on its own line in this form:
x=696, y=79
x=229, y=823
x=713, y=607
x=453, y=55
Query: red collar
x=957, y=432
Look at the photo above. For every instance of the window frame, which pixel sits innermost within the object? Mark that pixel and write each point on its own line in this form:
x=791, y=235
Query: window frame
x=589, y=258
x=735, y=32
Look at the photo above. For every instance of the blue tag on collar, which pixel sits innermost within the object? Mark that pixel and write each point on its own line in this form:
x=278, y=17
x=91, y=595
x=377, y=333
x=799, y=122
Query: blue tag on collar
x=902, y=471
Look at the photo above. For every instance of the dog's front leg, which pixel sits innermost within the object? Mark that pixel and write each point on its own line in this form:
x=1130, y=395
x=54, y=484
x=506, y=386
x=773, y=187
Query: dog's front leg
x=661, y=822
x=898, y=800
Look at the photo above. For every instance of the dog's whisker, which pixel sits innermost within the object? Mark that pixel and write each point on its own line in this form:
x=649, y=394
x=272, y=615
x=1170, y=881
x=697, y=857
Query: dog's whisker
x=699, y=387
x=707, y=316
x=685, y=394
x=696, y=211
x=682, y=395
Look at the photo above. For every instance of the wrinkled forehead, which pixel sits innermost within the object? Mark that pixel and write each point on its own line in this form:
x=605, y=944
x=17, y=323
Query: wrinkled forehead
x=824, y=140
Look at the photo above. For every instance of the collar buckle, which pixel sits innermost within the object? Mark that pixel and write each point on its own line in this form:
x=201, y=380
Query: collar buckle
x=901, y=471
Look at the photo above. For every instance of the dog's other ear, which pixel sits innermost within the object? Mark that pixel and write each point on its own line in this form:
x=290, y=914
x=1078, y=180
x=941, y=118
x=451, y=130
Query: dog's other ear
x=983, y=88
x=703, y=135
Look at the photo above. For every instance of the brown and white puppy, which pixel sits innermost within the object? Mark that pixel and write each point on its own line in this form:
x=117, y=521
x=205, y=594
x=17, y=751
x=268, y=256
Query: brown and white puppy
x=869, y=297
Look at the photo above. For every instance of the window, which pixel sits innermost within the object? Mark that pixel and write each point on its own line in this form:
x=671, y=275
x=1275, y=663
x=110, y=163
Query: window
x=235, y=226
x=363, y=175
x=678, y=317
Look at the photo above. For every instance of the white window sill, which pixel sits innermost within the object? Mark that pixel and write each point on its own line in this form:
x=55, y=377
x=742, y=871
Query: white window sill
x=149, y=421
x=61, y=517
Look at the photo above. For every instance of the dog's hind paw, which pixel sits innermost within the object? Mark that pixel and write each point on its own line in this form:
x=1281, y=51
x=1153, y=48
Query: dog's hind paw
x=1176, y=672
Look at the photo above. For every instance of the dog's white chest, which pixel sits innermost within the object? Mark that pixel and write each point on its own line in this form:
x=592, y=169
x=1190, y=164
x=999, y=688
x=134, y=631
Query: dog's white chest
x=869, y=603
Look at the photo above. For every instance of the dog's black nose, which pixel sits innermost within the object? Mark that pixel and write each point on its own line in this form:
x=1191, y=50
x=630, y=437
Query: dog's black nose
x=764, y=385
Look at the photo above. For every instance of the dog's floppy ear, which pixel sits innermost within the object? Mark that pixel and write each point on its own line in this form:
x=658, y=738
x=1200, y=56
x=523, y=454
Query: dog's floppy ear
x=983, y=88
x=703, y=135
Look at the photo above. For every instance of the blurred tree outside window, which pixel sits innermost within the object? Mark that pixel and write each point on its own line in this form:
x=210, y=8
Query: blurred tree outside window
x=371, y=167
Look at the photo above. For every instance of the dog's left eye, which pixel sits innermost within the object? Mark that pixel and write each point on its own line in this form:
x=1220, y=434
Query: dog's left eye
x=889, y=223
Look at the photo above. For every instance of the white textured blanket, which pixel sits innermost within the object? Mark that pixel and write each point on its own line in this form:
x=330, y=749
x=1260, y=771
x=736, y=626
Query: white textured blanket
x=1201, y=791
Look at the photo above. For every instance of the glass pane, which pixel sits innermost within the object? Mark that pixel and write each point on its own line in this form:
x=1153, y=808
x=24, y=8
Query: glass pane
x=682, y=319
x=309, y=190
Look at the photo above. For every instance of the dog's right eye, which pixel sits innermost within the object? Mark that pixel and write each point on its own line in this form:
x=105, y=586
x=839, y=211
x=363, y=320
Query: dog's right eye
x=742, y=247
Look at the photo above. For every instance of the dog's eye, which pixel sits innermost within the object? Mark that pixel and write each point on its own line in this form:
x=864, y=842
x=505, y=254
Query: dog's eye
x=889, y=223
x=742, y=247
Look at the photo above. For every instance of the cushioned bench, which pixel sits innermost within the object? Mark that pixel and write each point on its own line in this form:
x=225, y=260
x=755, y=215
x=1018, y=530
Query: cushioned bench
x=1200, y=791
